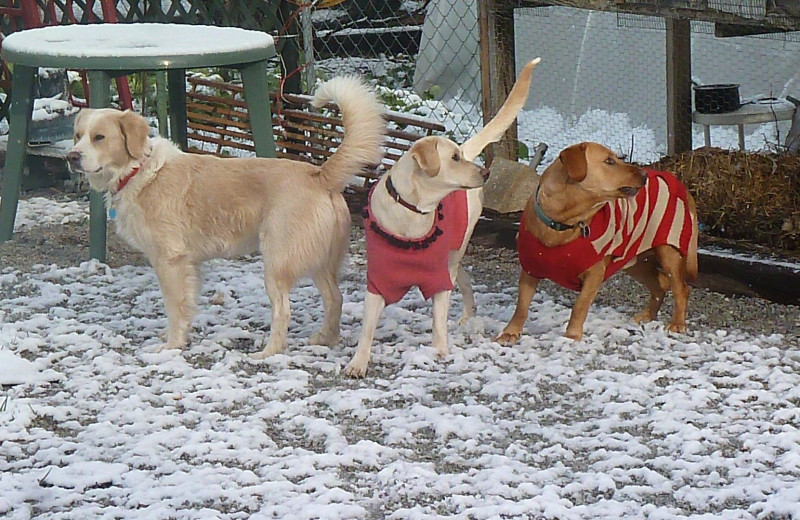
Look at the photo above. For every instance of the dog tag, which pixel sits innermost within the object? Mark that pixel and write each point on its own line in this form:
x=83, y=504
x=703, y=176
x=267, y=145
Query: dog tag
x=112, y=213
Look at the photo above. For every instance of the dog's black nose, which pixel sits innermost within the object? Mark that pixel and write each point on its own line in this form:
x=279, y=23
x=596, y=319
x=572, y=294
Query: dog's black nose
x=74, y=158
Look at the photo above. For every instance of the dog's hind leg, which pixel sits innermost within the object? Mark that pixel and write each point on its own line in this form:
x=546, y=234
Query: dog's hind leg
x=278, y=287
x=373, y=306
x=179, y=282
x=441, y=307
x=645, y=271
x=327, y=284
x=674, y=265
x=525, y=292
x=468, y=297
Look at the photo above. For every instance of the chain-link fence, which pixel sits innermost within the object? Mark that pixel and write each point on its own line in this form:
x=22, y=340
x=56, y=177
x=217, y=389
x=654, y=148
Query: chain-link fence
x=603, y=75
x=603, y=78
x=423, y=55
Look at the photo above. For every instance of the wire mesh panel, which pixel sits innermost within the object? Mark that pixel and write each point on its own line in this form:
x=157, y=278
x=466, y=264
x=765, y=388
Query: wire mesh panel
x=603, y=77
x=423, y=55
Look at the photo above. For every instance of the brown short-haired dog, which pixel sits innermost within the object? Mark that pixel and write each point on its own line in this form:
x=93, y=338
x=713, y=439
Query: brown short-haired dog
x=594, y=214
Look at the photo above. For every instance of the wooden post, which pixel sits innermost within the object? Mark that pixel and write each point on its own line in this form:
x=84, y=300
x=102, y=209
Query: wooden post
x=496, y=24
x=679, y=86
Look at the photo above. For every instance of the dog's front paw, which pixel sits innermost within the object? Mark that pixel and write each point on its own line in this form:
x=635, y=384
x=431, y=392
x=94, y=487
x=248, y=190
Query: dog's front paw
x=442, y=348
x=678, y=328
x=169, y=346
x=576, y=335
x=507, y=338
x=643, y=317
x=269, y=350
x=357, y=368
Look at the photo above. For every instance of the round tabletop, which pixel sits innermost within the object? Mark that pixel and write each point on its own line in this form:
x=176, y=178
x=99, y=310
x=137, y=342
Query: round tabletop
x=136, y=46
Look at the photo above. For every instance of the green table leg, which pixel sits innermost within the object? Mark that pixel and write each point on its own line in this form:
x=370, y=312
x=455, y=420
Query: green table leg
x=254, y=80
x=176, y=84
x=19, y=121
x=162, y=103
x=99, y=97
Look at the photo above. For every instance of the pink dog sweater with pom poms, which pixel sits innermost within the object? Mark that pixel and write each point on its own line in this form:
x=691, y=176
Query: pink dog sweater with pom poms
x=657, y=215
x=396, y=264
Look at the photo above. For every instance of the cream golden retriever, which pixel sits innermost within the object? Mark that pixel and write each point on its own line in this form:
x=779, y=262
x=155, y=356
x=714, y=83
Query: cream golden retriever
x=419, y=221
x=180, y=209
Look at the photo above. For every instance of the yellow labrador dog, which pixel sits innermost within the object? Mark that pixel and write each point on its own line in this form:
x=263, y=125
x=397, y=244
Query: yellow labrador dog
x=180, y=209
x=418, y=223
x=592, y=215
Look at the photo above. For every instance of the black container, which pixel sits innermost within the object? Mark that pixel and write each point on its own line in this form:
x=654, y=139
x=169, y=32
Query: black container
x=717, y=99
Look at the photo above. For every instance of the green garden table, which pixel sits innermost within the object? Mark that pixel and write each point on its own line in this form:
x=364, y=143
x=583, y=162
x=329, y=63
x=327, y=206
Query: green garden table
x=107, y=51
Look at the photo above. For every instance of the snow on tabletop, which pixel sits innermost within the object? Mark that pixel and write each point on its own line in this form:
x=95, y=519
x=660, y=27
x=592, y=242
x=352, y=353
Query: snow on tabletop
x=631, y=422
x=140, y=39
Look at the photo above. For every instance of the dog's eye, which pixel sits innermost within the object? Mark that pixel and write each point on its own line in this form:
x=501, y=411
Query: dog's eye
x=77, y=136
x=456, y=157
x=99, y=137
x=610, y=160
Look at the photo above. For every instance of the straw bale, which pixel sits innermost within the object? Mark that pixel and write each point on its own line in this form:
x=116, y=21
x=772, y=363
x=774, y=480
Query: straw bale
x=743, y=196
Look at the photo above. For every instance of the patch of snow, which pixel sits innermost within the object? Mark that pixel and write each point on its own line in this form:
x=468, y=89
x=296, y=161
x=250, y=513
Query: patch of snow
x=631, y=422
x=15, y=370
x=41, y=211
x=51, y=108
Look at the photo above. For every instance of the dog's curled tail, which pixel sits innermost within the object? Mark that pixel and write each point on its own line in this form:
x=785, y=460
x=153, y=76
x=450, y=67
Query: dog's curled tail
x=364, y=129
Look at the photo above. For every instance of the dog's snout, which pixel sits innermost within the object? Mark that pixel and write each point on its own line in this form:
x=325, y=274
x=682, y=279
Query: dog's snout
x=74, y=158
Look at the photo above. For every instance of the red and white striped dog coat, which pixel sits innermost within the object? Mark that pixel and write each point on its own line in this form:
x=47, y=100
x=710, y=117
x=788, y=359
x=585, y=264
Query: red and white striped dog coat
x=658, y=215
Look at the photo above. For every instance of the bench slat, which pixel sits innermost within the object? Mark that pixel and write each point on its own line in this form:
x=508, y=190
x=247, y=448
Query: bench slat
x=301, y=132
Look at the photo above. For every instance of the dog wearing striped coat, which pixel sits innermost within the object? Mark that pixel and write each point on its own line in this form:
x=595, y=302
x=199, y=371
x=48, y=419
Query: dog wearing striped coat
x=593, y=215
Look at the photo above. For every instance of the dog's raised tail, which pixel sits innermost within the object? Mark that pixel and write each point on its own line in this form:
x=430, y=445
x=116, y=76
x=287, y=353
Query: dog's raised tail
x=494, y=129
x=364, y=129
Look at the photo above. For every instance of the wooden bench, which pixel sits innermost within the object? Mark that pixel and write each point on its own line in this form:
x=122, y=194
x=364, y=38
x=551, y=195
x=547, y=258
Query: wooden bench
x=217, y=118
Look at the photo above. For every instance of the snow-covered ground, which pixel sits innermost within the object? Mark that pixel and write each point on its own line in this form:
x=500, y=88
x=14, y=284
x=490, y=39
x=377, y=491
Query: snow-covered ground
x=631, y=422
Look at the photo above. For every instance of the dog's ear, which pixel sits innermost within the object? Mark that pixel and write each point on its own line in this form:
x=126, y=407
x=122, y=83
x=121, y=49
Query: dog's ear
x=82, y=113
x=574, y=160
x=135, y=130
x=426, y=155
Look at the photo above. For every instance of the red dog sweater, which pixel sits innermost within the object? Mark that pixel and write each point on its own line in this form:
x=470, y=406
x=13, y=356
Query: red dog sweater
x=396, y=264
x=658, y=215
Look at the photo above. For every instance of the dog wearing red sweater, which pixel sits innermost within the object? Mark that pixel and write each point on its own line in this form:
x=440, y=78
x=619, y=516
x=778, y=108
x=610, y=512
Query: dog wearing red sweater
x=594, y=214
x=419, y=220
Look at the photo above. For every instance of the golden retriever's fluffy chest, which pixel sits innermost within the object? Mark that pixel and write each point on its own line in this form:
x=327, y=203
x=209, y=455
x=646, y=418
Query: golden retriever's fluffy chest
x=131, y=223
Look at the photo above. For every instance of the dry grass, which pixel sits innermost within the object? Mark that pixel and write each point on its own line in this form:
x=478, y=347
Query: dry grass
x=743, y=196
